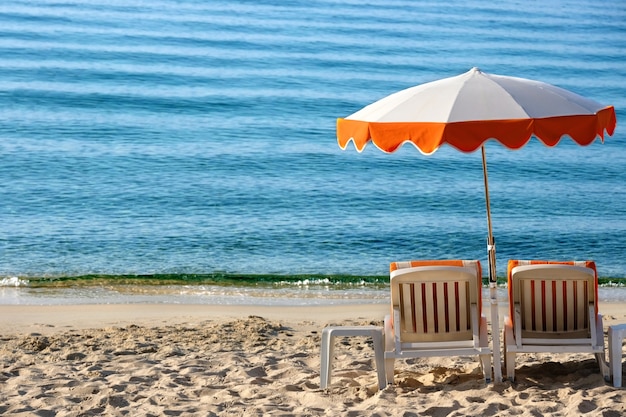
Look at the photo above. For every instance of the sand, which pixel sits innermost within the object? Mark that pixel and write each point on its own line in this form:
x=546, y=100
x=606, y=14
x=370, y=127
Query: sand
x=188, y=360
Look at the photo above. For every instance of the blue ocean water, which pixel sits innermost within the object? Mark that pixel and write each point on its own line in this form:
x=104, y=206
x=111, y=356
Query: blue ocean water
x=189, y=138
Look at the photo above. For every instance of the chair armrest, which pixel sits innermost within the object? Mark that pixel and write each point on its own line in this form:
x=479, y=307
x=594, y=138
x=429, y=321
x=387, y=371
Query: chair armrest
x=389, y=333
x=596, y=327
x=509, y=338
x=475, y=324
x=396, y=328
x=518, y=325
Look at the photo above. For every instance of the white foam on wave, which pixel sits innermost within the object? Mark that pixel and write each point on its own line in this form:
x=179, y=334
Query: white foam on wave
x=13, y=282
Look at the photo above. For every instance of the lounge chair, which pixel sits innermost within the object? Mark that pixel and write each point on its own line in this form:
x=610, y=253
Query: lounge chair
x=436, y=311
x=553, y=307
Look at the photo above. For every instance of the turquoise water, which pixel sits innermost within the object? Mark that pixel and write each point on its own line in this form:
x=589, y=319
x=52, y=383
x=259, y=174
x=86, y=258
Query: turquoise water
x=188, y=137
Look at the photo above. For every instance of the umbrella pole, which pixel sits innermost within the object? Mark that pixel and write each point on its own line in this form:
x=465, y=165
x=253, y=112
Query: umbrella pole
x=493, y=281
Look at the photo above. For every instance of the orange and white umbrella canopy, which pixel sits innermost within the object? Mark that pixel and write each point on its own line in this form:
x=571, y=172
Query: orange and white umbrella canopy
x=467, y=110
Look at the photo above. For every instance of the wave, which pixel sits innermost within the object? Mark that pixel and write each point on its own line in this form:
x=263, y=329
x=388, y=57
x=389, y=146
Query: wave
x=223, y=279
x=218, y=279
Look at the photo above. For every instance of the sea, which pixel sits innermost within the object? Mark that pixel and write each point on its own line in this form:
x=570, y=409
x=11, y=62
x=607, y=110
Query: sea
x=184, y=151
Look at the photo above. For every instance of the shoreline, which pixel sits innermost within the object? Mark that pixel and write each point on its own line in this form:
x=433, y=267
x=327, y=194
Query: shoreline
x=229, y=297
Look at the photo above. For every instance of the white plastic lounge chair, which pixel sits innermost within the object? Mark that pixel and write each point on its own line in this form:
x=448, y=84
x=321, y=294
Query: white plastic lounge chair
x=436, y=311
x=553, y=307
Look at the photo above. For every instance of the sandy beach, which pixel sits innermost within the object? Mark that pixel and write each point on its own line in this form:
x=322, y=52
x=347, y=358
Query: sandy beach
x=199, y=360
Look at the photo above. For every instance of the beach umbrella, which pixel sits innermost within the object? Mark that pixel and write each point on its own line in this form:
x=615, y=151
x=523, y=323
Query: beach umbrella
x=467, y=110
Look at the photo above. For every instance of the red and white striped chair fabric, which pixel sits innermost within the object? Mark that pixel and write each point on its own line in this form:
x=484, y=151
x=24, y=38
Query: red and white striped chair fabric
x=436, y=311
x=553, y=307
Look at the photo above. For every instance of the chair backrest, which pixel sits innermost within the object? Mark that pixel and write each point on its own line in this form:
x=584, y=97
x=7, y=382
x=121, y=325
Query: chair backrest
x=554, y=296
x=434, y=298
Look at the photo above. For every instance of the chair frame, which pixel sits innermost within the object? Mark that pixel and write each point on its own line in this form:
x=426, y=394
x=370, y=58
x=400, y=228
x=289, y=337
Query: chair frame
x=538, y=295
x=466, y=309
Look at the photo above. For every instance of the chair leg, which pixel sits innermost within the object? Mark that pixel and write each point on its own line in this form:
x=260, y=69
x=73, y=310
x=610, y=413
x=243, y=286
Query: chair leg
x=485, y=359
x=485, y=362
x=509, y=357
x=326, y=359
x=616, y=338
x=601, y=357
x=604, y=367
x=389, y=365
x=389, y=347
x=379, y=350
x=510, y=365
